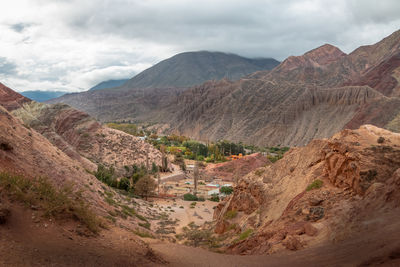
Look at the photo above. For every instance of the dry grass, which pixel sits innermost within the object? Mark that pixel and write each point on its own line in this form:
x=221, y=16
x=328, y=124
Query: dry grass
x=63, y=202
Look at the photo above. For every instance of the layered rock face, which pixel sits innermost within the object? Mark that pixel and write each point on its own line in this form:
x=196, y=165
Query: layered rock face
x=329, y=191
x=305, y=97
x=84, y=139
x=11, y=100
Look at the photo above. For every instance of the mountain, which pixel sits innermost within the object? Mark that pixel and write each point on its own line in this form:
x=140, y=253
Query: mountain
x=192, y=68
x=51, y=201
x=42, y=96
x=109, y=84
x=337, y=193
x=305, y=97
x=10, y=99
x=78, y=135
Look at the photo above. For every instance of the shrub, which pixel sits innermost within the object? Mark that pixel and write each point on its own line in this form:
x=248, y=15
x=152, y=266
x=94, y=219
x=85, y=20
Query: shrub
x=214, y=197
x=230, y=214
x=63, y=202
x=124, y=184
x=380, y=140
x=245, y=234
x=315, y=185
x=189, y=197
x=143, y=234
x=145, y=225
x=201, y=158
x=154, y=168
x=227, y=190
x=259, y=172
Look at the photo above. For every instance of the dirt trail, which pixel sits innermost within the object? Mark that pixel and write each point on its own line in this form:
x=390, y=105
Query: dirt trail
x=45, y=243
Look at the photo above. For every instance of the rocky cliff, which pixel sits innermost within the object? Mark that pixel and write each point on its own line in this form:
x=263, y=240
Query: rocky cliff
x=329, y=191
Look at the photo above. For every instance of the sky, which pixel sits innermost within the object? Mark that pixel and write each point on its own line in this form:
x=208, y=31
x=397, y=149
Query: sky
x=71, y=45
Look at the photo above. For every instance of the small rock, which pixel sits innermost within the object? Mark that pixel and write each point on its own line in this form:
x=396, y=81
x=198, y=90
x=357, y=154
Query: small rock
x=315, y=201
x=292, y=243
x=310, y=230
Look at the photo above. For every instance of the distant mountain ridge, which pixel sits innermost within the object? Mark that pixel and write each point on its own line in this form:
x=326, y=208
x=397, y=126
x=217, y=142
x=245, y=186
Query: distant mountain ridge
x=310, y=96
x=109, y=84
x=42, y=96
x=193, y=68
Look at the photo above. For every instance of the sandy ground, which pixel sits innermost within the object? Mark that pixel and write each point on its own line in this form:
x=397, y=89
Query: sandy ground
x=201, y=213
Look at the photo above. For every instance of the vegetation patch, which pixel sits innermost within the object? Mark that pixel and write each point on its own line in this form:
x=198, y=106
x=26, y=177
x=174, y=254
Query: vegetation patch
x=245, y=235
x=189, y=197
x=315, y=185
x=230, y=214
x=142, y=234
x=57, y=203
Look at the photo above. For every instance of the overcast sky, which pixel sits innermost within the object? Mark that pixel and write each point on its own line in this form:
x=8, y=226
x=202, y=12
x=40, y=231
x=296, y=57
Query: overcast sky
x=72, y=45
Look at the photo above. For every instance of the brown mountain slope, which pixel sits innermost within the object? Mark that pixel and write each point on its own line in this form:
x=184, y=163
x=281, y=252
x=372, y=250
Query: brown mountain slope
x=29, y=237
x=80, y=136
x=305, y=97
x=232, y=170
x=11, y=100
x=357, y=195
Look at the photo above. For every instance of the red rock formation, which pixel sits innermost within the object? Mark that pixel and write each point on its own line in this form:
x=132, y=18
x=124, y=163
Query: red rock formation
x=359, y=182
x=11, y=100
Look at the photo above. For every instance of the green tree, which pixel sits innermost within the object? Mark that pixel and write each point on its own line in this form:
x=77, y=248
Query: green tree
x=227, y=190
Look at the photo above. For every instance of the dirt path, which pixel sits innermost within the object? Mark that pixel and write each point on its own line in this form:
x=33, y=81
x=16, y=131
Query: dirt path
x=25, y=243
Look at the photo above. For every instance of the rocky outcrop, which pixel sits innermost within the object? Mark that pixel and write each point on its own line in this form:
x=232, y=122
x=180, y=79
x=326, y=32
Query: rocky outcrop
x=325, y=192
x=82, y=138
x=11, y=100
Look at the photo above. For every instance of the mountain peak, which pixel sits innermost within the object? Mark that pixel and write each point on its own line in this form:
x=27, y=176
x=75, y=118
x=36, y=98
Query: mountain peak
x=319, y=56
x=324, y=54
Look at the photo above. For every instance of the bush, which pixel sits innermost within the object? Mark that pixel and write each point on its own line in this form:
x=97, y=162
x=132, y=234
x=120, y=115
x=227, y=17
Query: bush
x=245, y=234
x=381, y=140
x=315, y=185
x=227, y=190
x=214, y=197
x=154, y=168
x=201, y=158
x=63, y=202
x=124, y=184
x=230, y=214
x=189, y=197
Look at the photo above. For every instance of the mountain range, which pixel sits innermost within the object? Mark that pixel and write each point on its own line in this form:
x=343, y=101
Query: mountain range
x=305, y=97
x=42, y=96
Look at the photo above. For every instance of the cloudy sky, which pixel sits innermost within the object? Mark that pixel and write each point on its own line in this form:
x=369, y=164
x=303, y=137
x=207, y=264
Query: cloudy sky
x=70, y=45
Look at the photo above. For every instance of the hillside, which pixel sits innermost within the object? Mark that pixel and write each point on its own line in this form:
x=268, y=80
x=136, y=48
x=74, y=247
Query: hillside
x=109, y=84
x=329, y=192
x=80, y=136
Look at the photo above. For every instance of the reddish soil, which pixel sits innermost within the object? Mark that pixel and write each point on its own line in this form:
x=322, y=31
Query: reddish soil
x=228, y=171
x=24, y=242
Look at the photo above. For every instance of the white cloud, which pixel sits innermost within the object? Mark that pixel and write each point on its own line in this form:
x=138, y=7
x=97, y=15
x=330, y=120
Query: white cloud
x=72, y=45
